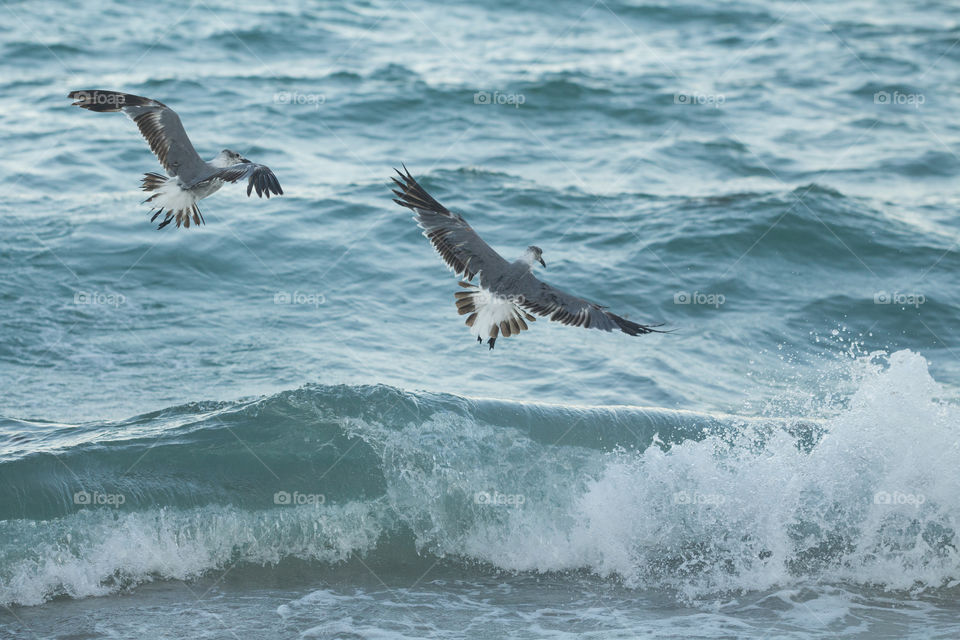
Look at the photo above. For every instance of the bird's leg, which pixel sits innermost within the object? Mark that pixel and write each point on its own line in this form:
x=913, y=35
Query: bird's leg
x=494, y=334
x=166, y=221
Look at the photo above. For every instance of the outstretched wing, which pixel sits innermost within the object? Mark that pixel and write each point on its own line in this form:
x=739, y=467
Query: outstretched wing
x=260, y=177
x=458, y=244
x=158, y=123
x=541, y=299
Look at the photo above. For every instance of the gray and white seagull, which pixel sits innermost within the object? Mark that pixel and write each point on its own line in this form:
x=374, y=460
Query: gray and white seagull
x=189, y=178
x=508, y=292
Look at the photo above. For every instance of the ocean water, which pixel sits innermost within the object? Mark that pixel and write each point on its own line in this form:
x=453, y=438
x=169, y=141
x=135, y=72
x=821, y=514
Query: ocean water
x=276, y=425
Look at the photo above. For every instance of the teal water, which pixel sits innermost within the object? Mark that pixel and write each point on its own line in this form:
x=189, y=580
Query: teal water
x=184, y=454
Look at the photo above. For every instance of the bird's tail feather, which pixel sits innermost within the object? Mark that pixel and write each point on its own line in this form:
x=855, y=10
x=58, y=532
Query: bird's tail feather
x=99, y=100
x=174, y=203
x=182, y=217
x=491, y=315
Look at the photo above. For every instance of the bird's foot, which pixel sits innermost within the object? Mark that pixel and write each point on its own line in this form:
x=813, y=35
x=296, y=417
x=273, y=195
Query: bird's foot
x=491, y=342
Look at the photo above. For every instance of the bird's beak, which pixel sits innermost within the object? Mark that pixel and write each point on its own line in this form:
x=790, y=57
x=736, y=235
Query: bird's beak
x=244, y=160
x=543, y=263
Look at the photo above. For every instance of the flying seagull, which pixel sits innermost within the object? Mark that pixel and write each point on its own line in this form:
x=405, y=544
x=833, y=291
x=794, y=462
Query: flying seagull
x=189, y=178
x=508, y=292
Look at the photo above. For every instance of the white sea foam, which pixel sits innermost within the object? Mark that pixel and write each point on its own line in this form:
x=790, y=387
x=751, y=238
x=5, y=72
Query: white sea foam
x=746, y=507
x=873, y=503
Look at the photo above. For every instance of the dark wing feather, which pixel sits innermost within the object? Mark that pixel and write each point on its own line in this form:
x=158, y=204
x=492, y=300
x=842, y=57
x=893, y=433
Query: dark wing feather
x=158, y=123
x=458, y=244
x=541, y=299
x=260, y=177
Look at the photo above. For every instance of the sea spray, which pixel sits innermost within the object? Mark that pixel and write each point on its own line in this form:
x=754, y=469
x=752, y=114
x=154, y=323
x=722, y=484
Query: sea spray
x=697, y=504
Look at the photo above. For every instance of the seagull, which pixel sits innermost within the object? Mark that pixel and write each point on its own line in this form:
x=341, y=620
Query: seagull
x=508, y=294
x=189, y=178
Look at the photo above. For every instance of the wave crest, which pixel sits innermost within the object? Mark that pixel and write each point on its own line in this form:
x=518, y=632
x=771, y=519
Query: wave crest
x=668, y=499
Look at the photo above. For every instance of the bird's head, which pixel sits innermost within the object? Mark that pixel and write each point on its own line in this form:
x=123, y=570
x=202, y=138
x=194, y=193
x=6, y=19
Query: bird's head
x=534, y=254
x=228, y=158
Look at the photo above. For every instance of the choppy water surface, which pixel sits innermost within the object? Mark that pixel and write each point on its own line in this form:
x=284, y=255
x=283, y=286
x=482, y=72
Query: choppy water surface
x=277, y=426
